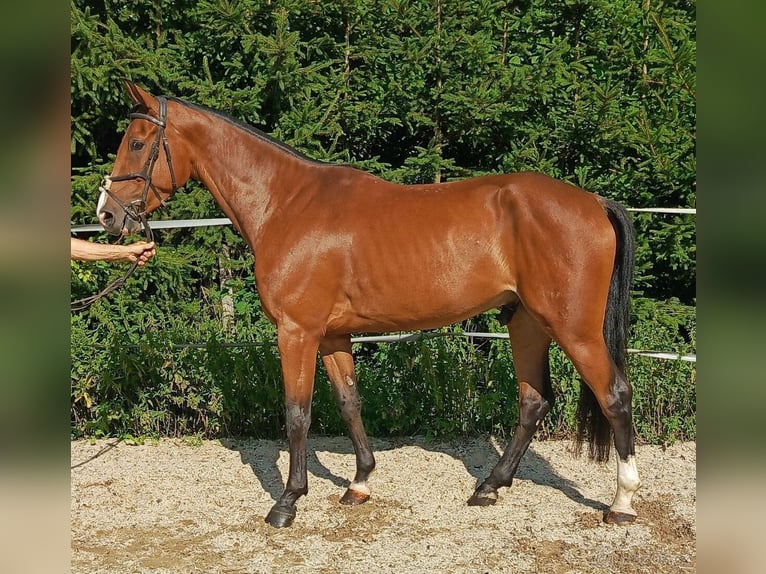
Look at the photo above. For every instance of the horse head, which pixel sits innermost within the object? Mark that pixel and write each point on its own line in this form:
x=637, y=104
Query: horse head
x=145, y=174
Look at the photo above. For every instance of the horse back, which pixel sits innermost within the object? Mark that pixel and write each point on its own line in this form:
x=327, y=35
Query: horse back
x=363, y=254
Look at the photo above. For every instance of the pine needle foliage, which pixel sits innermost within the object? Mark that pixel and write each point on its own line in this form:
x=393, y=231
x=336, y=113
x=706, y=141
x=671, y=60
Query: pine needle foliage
x=601, y=93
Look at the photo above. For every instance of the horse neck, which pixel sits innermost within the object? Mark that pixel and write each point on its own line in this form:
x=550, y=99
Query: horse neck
x=241, y=171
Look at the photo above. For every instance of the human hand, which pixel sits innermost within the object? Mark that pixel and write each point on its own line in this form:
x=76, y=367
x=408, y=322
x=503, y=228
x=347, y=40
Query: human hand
x=140, y=251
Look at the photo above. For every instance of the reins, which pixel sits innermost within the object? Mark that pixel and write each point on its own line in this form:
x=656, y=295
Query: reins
x=86, y=302
x=136, y=209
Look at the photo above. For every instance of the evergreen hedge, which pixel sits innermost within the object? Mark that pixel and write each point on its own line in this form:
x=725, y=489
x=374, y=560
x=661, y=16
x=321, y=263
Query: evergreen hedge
x=600, y=93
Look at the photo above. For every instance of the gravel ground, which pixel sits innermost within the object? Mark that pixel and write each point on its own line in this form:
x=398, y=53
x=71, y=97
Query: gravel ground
x=173, y=506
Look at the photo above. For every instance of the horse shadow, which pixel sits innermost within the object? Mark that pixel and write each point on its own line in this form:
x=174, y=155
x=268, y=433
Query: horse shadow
x=478, y=456
x=262, y=456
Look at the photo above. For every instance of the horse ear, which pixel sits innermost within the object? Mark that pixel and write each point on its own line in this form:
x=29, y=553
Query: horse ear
x=141, y=97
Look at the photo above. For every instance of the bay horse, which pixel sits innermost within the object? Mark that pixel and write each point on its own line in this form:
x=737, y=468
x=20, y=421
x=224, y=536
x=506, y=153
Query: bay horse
x=340, y=251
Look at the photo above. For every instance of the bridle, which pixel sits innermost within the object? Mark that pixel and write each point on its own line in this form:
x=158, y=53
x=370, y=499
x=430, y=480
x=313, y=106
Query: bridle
x=136, y=209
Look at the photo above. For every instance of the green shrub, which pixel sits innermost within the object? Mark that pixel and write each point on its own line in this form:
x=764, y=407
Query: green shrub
x=150, y=382
x=601, y=94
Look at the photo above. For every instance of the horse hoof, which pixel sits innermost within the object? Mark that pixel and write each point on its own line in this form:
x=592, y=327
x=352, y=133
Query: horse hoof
x=481, y=500
x=354, y=498
x=619, y=518
x=280, y=517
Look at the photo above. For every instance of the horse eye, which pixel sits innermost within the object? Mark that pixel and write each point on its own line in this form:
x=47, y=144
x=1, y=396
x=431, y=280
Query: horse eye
x=136, y=145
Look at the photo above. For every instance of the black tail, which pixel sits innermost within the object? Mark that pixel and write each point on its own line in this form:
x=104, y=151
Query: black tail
x=591, y=422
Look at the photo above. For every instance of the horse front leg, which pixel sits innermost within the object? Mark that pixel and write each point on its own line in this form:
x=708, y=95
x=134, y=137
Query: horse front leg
x=339, y=362
x=298, y=352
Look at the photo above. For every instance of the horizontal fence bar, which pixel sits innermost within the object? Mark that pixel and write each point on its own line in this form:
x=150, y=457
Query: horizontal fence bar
x=478, y=335
x=663, y=355
x=180, y=223
x=678, y=210
x=163, y=224
x=211, y=222
x=420, y=335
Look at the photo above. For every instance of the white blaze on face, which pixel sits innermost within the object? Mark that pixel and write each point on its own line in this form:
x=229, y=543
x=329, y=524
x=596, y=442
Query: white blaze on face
x=103, y=197
x=627, y=484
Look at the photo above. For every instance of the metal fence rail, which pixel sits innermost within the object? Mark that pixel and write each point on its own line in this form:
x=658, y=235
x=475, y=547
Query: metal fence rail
x=421, y=335
x=216, y=221
x=416, y=336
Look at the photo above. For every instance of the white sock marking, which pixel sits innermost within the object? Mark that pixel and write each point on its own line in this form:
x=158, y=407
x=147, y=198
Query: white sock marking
x=360, y=487
x=627, y=484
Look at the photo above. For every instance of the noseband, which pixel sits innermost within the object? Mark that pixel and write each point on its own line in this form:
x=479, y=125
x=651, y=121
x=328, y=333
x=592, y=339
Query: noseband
x=136, y=209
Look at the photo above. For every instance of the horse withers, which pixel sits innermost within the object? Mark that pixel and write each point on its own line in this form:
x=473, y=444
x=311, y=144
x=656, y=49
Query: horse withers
x=340, y=251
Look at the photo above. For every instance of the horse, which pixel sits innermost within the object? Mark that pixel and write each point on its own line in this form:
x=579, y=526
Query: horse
x=339, y=251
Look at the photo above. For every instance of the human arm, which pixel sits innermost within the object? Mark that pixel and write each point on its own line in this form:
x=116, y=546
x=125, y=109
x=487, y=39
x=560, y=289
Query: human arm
x=140, y=251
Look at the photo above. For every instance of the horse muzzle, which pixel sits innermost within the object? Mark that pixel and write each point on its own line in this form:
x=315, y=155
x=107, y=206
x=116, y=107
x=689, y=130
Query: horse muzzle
x=113, y=217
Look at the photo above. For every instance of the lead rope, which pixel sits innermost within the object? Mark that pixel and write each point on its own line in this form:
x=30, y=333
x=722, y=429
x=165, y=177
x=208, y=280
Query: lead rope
x=146, y=175
x=86, y=302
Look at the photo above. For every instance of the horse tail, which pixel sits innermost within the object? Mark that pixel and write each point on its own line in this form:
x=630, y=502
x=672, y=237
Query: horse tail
x=591, y=422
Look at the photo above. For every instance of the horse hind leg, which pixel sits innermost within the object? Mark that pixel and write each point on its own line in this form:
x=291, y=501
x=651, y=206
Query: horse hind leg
x=339, y=363
x=617, y=407
x=529, y=345
x=612, y=396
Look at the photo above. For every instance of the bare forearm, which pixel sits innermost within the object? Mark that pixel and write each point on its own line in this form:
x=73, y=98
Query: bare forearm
x=86, y=251
x=140, y=251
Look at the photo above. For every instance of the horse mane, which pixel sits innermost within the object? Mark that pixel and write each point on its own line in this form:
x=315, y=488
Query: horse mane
x=253, y=131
